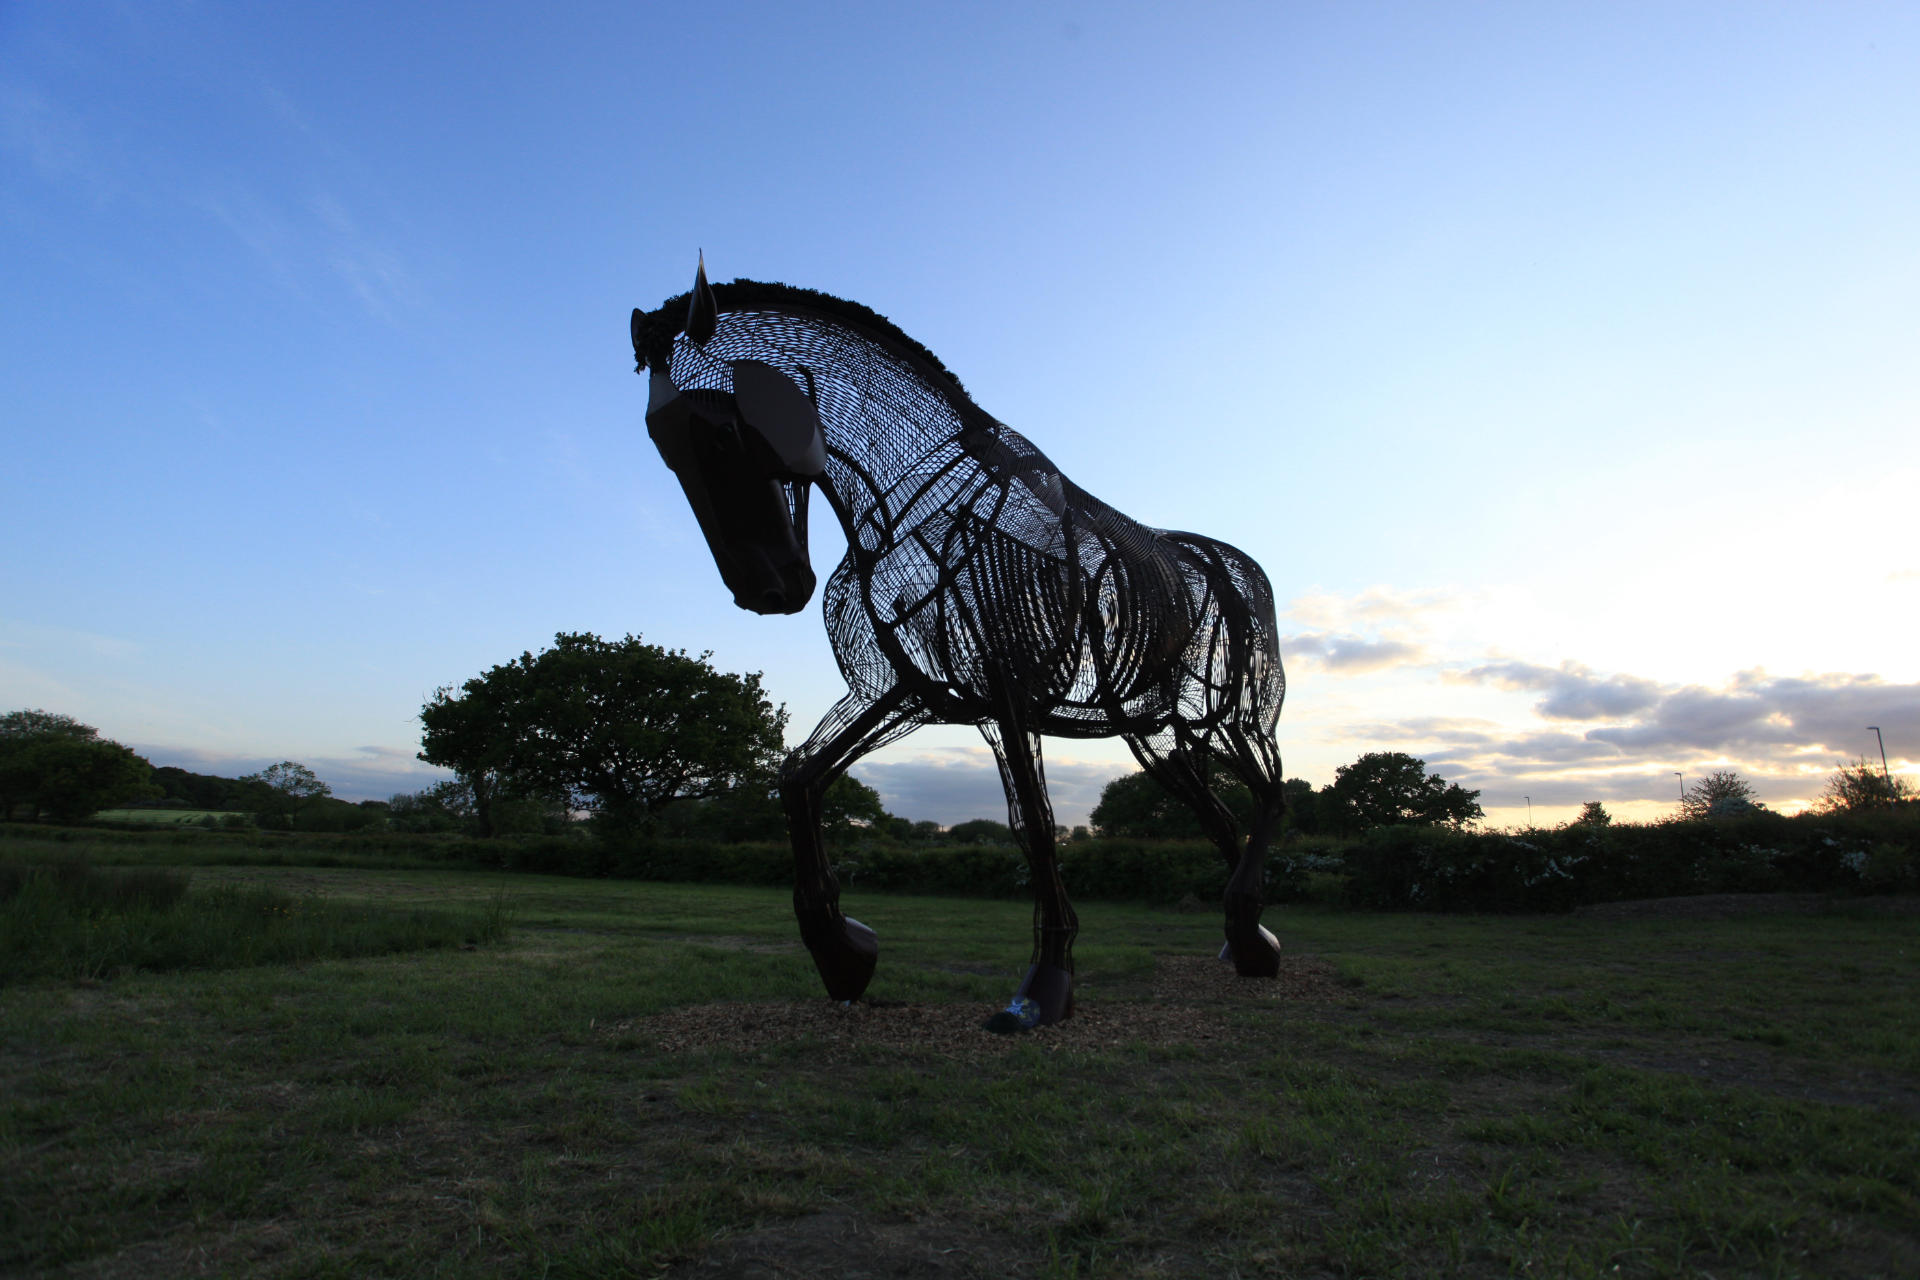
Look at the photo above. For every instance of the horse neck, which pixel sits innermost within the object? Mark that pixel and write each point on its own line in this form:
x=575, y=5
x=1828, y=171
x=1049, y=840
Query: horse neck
x=866, y=489
x=874, y=475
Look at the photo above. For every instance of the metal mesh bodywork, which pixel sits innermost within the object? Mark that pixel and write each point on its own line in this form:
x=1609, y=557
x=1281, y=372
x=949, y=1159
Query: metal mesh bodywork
x=981, y=586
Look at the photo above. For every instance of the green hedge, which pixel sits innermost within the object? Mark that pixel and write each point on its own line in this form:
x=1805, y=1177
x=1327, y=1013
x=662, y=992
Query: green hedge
x=1122, y=870
x=1391, y=868
x=1437, y=870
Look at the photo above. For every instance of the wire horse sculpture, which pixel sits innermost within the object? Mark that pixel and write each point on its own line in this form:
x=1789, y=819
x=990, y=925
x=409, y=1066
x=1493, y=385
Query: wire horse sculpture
x=980, y=586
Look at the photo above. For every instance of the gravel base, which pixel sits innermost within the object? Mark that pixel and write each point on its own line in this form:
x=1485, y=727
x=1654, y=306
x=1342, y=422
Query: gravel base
x=1192, y=998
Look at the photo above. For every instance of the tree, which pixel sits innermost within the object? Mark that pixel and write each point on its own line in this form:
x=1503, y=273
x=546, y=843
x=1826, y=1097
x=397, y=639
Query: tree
x=1303, y=806
x=279, y=791
x=1723, y=794
x=1863, y=786
x=39, y=724
x=195, y=790
x=64, y=769
x=444, y=806
x=291, y=780
x=1593, y=814
x=980, y=831
x=849, y=803
x=618, y=728
x=1391, y=788
x=1135, y=806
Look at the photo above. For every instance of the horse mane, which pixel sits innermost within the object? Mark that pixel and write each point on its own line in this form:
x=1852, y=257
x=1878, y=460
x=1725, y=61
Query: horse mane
x=654, y=331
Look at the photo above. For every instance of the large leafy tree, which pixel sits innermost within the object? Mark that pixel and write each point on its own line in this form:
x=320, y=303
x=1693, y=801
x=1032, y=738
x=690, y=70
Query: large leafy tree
x=64, y=769
x=280, y=791
x=1392, y=788
x=1722, y=794
x=32, y=723
x=1135, y=806
x=1593, y=814
x=292, y=781
x=619, y=728
x=752, y=811
x=1864, y=786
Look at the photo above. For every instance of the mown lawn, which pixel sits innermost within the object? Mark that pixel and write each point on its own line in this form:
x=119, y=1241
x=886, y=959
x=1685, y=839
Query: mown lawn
x=1448, y=1096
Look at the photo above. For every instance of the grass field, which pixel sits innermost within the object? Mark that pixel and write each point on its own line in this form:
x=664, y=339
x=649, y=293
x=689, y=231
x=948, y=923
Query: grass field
x=641, y=1080
x=164, y=817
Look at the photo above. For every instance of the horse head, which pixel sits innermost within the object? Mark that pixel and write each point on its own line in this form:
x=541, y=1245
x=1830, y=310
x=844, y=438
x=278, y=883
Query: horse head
x=746, y=455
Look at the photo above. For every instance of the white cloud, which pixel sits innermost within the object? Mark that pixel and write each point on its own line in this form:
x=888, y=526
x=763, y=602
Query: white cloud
x=1349, y=653
x=955, y=784
x=1573, y=692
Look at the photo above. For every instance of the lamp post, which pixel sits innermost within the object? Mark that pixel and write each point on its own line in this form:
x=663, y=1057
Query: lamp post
x=1883, y=757
x=1683, y=785
x=1529, y=800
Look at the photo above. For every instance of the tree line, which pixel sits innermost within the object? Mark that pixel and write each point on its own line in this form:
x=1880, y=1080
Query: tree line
x=1381, y=788
x=644, y=741
x=53, y=767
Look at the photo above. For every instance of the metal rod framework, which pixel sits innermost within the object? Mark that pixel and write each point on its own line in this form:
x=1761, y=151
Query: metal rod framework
x=980, y=586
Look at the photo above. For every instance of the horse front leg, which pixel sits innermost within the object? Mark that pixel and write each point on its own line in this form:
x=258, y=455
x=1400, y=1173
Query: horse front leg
x=1045, y=996
x=844, y=951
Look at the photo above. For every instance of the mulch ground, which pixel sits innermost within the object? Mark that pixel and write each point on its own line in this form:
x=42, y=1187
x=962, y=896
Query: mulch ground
x=1191, y=999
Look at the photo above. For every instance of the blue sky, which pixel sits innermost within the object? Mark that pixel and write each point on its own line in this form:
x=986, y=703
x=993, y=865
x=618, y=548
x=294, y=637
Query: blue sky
x=1557, y=361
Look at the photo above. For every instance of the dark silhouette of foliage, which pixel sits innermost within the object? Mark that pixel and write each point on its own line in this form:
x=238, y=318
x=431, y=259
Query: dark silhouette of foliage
x=1593, y=814
x=59, y=768
x=1391, y=788
x=620, y=729
x=1722, y=794
x=1304, y=806
x=1864, y=786
x=31, y=723
x=980, y=831
x=1136, y=806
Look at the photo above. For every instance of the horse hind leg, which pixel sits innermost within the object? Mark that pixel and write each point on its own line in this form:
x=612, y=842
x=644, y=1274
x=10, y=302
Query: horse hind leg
x=1254, y=950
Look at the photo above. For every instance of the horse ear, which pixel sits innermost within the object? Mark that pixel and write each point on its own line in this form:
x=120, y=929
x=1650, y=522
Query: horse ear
x=639, y=331
x=703, y=311
x=782, y=413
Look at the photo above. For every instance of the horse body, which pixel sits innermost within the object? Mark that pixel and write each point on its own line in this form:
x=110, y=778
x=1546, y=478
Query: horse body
x=980, y=586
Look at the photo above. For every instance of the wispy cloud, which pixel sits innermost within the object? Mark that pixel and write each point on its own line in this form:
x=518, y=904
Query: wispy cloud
x=1785, y=733
x=372, y=268
x=34, y=637
x=1372, y=607
x=1573, y=691
x=52, y=141
x=1373, y=630
x=956, y=784
x=1353, y=654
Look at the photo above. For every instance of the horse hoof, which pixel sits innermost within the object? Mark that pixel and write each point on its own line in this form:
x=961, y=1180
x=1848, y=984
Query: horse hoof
x=1044, y=998
x=1256, y=955
x=844, y=951
x=1004, y=1023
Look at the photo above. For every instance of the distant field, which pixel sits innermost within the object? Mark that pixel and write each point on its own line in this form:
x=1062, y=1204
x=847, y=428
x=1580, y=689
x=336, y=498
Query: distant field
x=164, y=817
x=644, y=1079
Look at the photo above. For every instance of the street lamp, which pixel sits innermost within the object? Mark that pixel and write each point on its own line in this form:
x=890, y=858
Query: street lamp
x=1683, y=785
x=1529, y=800
x=1883, y=756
